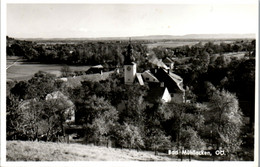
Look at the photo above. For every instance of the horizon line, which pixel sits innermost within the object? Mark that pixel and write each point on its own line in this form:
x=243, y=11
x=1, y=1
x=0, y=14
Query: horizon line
x=134, y=36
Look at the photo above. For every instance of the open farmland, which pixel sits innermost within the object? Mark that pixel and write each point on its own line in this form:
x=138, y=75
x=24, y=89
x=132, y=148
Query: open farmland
x=47, y=151
x=238, y=55
x=179, y=43
x=171, y=44
x=24, y=71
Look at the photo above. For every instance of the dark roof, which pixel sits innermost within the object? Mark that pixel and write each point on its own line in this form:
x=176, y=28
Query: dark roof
x=155, y=92
x=171, y=80
x=129, y=58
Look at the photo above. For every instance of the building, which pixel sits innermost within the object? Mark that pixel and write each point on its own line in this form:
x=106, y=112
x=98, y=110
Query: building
x=98, y=69
x=162, y=82
x=168, y=62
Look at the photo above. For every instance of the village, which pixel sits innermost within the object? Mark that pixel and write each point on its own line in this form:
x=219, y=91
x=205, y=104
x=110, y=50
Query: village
x=124, y=107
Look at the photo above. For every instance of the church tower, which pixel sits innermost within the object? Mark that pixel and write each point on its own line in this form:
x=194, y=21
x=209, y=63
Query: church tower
x=129, y=65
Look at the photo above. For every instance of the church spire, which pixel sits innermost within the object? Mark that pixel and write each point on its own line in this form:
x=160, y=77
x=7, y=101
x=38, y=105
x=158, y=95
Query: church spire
x=129, y=58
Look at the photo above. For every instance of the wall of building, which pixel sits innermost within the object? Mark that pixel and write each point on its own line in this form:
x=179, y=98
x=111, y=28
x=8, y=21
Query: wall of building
x=129, y=74
x=177, y=97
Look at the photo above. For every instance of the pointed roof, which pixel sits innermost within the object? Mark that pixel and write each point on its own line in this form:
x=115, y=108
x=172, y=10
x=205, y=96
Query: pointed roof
x=148, y=73
x=177, y=79
x=97, y=66
x=167, y=60
x=129, y=58
x=158, y=63
x=172, y=81
x=139, y=78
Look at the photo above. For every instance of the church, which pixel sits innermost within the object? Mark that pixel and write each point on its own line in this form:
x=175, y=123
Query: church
x=162, y=82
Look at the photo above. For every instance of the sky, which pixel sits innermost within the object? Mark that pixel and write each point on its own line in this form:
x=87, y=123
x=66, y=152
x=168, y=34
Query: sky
x=125, y=20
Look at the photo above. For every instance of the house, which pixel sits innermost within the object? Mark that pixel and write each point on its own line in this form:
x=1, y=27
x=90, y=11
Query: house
x=168, y=62
x=95, y=69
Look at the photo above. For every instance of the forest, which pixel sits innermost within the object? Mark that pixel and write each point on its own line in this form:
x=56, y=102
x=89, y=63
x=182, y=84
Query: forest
x=220, y=89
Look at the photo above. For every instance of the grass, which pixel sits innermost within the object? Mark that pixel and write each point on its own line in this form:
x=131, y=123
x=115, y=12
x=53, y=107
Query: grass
x=238, y=55
x=24, y=71
x=47, y=151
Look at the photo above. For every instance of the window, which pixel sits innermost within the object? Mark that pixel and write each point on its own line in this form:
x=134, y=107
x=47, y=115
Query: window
x=147, y=79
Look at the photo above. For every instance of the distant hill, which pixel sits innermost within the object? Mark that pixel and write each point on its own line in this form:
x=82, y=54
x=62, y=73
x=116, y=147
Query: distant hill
x=197, y=36
x=155, y=37
x=219, y=36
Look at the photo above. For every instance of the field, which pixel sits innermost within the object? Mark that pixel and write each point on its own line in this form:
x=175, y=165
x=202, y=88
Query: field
x=47, y=151
x=238, y=55
x=19, y=70
x=178, y=43
x=171, y=44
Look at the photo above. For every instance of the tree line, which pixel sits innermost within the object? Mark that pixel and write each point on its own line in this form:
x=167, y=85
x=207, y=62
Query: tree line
x=108, y=54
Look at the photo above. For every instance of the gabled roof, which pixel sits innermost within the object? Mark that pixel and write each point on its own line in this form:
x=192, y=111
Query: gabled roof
x=97, y=66
x=167, y=60
x=172, y=81
x=139, y=78
x=148, y=73
x=177, y=79
x=158, y=63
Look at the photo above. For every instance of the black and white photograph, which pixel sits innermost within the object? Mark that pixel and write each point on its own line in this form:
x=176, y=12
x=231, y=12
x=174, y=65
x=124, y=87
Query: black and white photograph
x=129, y=82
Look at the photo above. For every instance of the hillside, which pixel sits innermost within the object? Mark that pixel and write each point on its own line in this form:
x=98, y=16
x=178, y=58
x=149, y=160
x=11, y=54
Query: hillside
x=47, y=151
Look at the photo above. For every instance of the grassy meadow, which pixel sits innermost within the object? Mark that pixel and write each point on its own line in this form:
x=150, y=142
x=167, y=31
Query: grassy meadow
x=47, y=151
x=19, y=70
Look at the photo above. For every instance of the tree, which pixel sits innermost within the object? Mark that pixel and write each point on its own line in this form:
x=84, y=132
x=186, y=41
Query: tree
x=155, y=135
x=183, y=122
x=29, y=120
x=128, y=136
x=40, y=85
x=65, y=71
x=12, y=117
x=20, y=90
x=156, y=139
x=133, y=100
x=190, y=139
x=98, y=117
x=35, y=118
x=227, y=117
x=58, y=111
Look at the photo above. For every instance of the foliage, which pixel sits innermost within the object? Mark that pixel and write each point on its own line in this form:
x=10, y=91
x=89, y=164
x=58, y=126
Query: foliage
x=226, y=115
x=190, y=139
x=128, y=136
x=99, y=118
x=82, y=53
x=33, y=119
x=65, y=71
x=183, y=122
